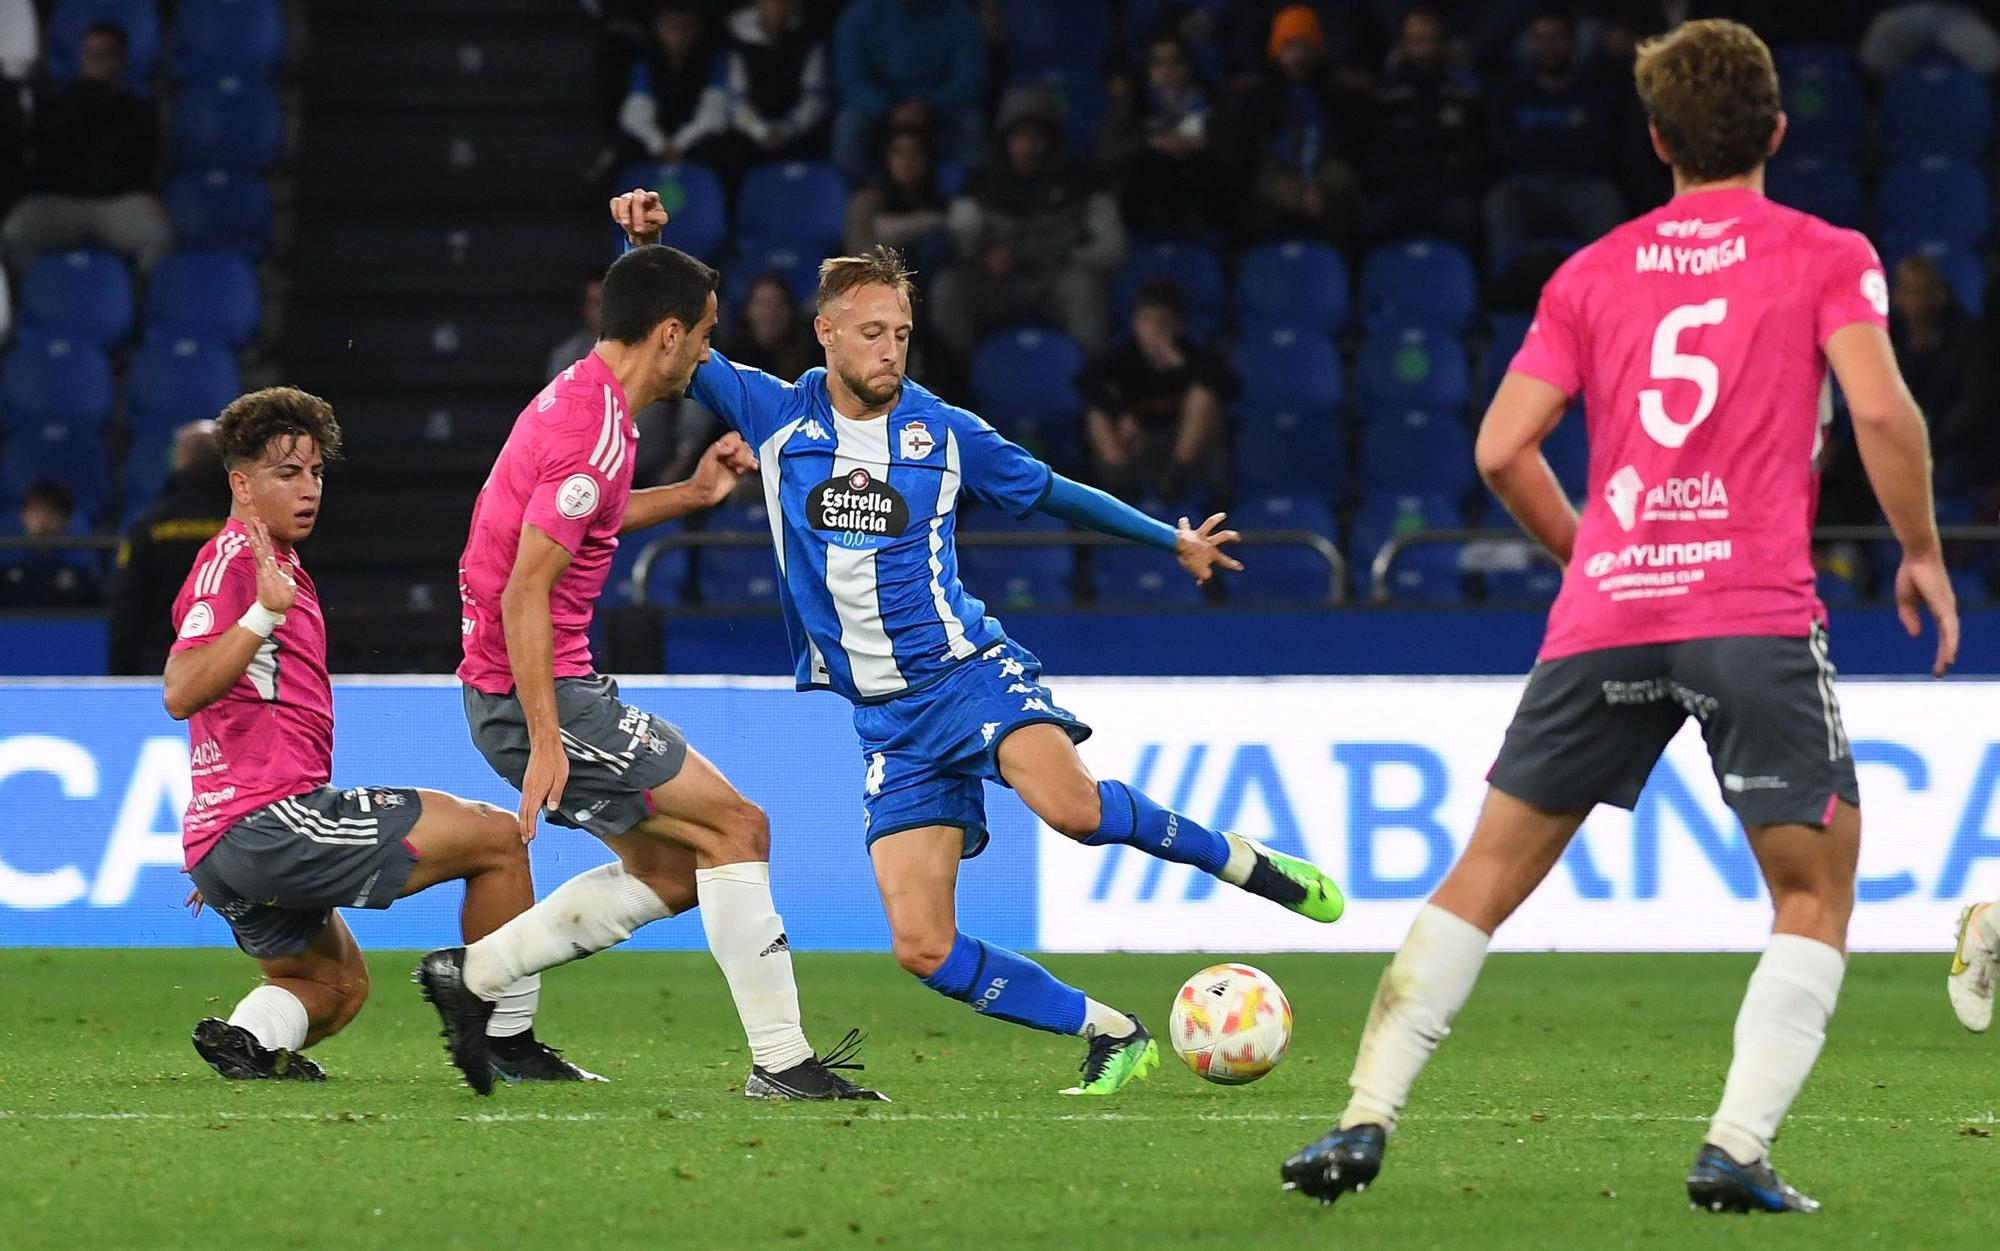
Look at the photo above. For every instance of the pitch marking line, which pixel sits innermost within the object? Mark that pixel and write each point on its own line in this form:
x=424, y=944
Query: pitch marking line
x=891, y=1118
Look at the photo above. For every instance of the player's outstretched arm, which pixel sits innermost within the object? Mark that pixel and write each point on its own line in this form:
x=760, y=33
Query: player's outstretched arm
x=198, y=676
x=1509, y=456
x=721, y=467
x=1198, y=550
x=1895, y=450
x=531, y=653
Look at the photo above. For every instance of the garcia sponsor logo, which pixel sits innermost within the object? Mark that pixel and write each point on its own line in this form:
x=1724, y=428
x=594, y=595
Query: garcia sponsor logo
x=1702, y=498
x=1664, y=258
x=862, y=511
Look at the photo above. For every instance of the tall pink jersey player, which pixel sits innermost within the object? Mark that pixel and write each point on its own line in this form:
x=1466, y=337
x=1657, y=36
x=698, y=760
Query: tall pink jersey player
x=1699, y=338
x=271, y=846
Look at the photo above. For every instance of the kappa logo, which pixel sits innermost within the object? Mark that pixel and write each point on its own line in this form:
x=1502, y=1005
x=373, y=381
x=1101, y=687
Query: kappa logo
x=813, y=430
x=878, y=765
x=987, y=731
x=1011, y=668
x=917, y=441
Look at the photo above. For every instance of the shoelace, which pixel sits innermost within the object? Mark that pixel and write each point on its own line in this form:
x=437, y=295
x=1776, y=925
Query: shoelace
x=841, y=1054
x=1099, y=1055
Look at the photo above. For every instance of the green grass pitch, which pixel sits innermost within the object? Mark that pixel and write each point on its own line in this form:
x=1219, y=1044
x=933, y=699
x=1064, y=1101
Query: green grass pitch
x=1562, y=1112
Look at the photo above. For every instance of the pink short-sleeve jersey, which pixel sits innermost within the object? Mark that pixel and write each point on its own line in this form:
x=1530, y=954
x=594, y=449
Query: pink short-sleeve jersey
x=1696, y=338
x=567, y=470
x=270, y=736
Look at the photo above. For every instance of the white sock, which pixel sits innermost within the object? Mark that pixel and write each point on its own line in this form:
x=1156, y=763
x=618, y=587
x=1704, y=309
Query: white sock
x=747, y=938
x=514, y=1008
x=1110, y=1022
x=1420, y=992
x=583, y=916
x=1242, y=858
x=1779, y=1032
x=274, y=1016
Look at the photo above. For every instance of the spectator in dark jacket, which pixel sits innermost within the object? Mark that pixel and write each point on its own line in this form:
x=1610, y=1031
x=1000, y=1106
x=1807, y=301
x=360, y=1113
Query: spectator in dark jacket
x=1552, y=134
x=1155, y=407
x=1424, y=148
x=1036, y=237
x=93, y=165
x=677, y=109
x=47, y=579
x=160, y=547
x=907, y=63
x=775, y=79
x=1296, y=121
x=904, y=207
x=1159, y=145
x=773, y=334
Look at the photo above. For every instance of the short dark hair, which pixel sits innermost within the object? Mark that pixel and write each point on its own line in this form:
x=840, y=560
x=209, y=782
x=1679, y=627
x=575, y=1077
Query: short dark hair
x=1161, y=294
x=251, y=421
x=649, y=285
x=53, y=494
x=114, y=32
x=1710, y=89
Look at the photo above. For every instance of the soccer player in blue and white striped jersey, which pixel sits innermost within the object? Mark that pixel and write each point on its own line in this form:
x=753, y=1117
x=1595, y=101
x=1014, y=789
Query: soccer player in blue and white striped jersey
x=863, y=471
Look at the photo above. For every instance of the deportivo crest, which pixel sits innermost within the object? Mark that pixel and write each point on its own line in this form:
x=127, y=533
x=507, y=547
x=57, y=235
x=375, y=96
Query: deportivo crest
x=917, y=441
x=859, y=510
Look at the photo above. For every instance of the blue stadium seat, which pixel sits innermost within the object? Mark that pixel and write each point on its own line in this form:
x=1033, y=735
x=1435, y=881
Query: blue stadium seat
x=1042, y=35
x=1417, y=452
x=207, y=295
x=1401, y=369
x=1834, y=589
x=149, y=459
x=1190, y=267
x=1512, y=568
x=666, y=580
x=70, y=18
x=1299, y=283
x=1568, y=452
x=85, y=294
x=1290, y=574
x=1823, y=186
x=1936, y=108
x=1430, y=572
x=48, y=382
x=1934, y=198
x=218, y=209
x=75, y=457
x=1283, y=367
x=738, y=576
x=697, y=214
x=1964, y=271
x=1504, y=335
x=1024, y=382
x=227, y=37
x=801, y=204
x=230, y=122
x=1825, y=107
x=799, y=269
x=177, y=379
x=1129, y=574
x=1080, y=94
x=1015, y=577
x=1423, y=282
x=1290, y=451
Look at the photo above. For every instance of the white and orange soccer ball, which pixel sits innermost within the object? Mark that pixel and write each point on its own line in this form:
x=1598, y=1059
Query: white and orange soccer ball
x=1231, y=1024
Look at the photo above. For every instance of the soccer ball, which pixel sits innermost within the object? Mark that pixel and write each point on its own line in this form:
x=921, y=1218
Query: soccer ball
x=1231, y=1024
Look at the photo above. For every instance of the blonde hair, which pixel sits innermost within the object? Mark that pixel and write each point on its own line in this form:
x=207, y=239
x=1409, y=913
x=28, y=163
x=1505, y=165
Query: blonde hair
x=839, y=275
x=1710, y=89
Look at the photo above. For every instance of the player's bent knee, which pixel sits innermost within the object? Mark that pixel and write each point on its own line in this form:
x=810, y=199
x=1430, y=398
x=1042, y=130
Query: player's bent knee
x=745, y=833
x=921, y=954
x=1076, y=814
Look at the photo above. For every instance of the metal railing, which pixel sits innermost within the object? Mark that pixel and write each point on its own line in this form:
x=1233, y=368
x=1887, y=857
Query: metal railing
x=1336, y=563
x=1385, y=557
x=60, y=543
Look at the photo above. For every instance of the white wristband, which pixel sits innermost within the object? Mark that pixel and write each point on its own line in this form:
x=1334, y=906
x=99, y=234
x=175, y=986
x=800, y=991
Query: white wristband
x=260, y=620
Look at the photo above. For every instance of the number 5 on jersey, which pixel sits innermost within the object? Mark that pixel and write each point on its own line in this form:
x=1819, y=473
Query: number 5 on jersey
x=1670, y=362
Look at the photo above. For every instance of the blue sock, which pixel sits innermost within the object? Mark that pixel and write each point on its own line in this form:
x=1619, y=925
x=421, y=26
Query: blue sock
x=1000, y=983
x=1130, y=817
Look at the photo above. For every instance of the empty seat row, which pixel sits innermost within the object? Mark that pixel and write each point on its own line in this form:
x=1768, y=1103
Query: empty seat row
x=208, y=37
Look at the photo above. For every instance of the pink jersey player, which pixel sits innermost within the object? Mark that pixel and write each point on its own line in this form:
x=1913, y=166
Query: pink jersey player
x=566, y=470
x=1696, y=338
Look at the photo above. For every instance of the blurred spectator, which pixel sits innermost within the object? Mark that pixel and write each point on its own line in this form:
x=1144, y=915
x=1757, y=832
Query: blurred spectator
x=1296, y=118
x=904, y=207
x=624, y=32
x=1347, y=30
x=584, y=337
x=1425, y=147
x=772, y=334
x=677, y=109
x=776, y=80
x=1155, y=407
x=1947, y=357
x=46, y=579
x=94, y=161
x=1157, y=143
x=1903, y=32
x=20, y=49
x=20, y=40
x=159, y=548
x=1552, y=133
x=907, y=63
x=1035, y=238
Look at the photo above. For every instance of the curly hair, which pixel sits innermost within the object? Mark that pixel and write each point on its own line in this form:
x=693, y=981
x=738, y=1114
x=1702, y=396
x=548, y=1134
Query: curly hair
x=1710, y=89
x=247, y=427
x=839, y=275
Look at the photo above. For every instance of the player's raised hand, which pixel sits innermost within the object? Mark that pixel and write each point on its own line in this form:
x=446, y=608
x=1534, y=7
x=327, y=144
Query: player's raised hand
x=194, y=901
x=276, y=590
x=1200, y=550
x=721, y=467
x=640, y=215
x=541, y=787
x=1923, y=583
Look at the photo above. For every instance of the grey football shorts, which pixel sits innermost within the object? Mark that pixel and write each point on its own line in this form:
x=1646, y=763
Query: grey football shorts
x=617, y=753
x=1591, y=726
x=277, y=875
